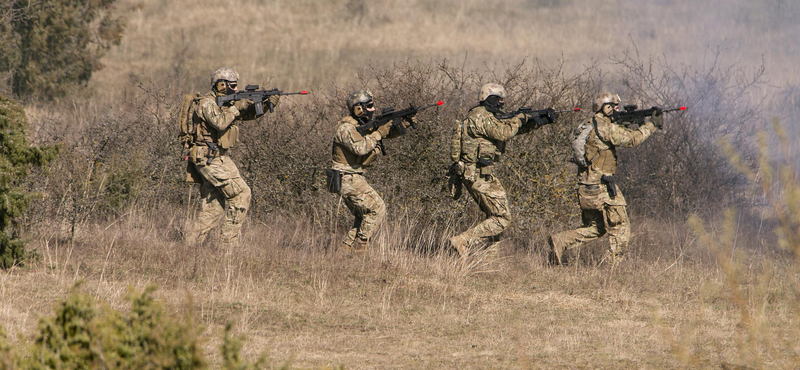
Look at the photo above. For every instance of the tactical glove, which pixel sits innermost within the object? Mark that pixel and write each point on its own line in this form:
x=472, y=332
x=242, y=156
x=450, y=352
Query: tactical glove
x=384, y=130
x=522, y=117
x=275, y=100
x=409, y=121
x=658, y=118
x=243, y=104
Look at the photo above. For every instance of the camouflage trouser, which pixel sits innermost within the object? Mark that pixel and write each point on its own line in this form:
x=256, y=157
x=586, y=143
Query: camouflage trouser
x=600, y=214
x=490, y=195
x=223, y=194
x=366, y=205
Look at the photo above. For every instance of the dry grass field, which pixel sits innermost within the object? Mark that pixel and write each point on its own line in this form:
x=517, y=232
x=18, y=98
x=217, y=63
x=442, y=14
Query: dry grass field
x=723, y=295
x=399, y=309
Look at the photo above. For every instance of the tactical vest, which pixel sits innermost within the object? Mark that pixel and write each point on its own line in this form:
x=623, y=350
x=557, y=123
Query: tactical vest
x=341, y=155
x=601, y=155
x=205, y=133
x=475, y=148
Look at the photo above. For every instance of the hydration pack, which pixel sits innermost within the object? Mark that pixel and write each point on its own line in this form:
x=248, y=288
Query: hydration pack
x=579, y=137
x=184, y=119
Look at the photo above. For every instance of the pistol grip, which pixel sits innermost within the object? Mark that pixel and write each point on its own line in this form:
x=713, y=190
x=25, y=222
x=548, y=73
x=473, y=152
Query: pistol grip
x=398, y=124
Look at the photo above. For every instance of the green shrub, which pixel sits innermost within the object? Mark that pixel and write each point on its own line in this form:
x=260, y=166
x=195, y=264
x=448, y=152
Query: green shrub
x=50, y=46
x=83, y=334
x=16, y=157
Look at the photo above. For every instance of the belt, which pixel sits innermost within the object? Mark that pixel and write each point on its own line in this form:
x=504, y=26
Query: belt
x=591, y=187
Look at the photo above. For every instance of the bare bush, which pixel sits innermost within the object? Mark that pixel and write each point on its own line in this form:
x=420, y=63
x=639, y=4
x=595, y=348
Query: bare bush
x=128, y=157
x=682, y=169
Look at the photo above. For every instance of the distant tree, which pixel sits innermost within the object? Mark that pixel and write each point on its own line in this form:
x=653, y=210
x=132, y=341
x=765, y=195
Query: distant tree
x=48, y=47
x=16, y=157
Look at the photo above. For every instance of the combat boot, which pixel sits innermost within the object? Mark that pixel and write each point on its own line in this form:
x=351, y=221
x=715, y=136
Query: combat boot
x=611, y=259
x=344, y=248
x=360, y=246
x=460, y=244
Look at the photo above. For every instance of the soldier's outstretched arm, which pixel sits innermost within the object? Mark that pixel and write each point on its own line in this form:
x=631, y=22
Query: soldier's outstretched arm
x=624, y=137
x=500, y=129
x=354, y=142
x=217, y=118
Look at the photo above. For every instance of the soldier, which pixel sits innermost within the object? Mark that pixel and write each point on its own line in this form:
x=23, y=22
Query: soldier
x=478, y=143
x=223, y=192
x=602, y=203
x=352, y=153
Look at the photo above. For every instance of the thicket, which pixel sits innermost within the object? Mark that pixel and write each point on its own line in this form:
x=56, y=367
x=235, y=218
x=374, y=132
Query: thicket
x=16, y=158
x=49, y=48
x=128, y=157
x=85, y=334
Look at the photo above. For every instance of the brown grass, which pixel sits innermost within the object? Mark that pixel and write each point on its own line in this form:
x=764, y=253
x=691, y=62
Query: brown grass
x=402, y=308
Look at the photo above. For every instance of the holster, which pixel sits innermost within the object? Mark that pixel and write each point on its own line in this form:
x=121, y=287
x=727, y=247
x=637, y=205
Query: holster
x=485, y=166
x=333, y=181
x=610, y=185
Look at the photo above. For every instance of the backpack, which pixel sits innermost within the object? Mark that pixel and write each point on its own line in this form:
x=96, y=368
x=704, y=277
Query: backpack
x=188, y=129
x=579, y=137
x=184, y=119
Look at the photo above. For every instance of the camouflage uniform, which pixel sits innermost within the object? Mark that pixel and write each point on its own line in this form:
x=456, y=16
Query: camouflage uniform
x=352, y=152
x=482, y=141
x=223, y=192
x=600, y=213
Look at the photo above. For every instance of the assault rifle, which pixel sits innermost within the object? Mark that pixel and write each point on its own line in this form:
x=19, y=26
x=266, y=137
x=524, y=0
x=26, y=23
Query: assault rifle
x=542, y=116
x=631, y=116
x=389, y=115
x=259, y=97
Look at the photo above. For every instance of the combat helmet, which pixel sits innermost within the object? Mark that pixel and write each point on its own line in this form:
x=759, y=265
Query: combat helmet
x=356, y=102
x=490, y=89
x=605, y=98
x=224, y=74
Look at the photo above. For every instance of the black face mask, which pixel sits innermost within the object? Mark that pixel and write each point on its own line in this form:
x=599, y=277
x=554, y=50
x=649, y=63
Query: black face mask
x=493, y=104
x=367, y=116
x=615, y=116
x=229, y=87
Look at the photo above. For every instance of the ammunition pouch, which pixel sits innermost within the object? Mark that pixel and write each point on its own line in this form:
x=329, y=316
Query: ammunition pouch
x=333, y=181
x=197, y=154
x=230, y=137
x=470, y=173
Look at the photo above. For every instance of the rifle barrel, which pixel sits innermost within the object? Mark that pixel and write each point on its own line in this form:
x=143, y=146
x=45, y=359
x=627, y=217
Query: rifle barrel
x=675, y=109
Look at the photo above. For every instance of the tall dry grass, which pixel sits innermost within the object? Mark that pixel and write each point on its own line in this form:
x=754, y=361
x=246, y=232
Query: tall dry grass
x=406, y=307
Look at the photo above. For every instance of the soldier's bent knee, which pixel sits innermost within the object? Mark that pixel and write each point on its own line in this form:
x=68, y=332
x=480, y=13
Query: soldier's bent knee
x=503, y=221
x=381, y=207
x=236, y=188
